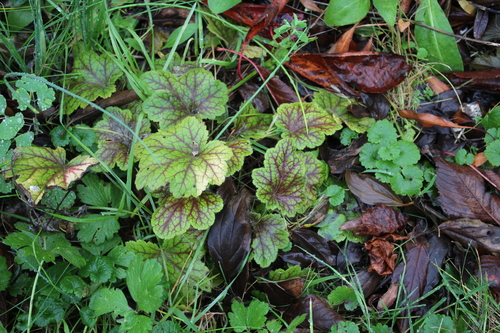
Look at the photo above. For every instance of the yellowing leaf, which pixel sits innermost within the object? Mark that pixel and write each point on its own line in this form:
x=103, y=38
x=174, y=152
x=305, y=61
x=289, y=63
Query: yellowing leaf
x=40, y=167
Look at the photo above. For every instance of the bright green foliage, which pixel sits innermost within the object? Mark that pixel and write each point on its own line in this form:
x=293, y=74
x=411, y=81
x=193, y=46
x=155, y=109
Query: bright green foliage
x=492, y=153
x=338, y=106
x=98, y=268
x=345, y=295
x=39, y=167
x=107, y=300
x=240, y=148
x=143, y=278
x=114, y=138
x=121, y=258
x=80, y=136
x=344, y=12
x=252, y=317
x=133, y=322
x=283, y=34
x=148, y=250
x=437, y=323
x=382, y=132
x=196, y=93
x=218, y=7
x=58, y=244
x=387, y=9
x=57, y=198
x=252, y=124
x=97, y=229
x=441, y=48
x=347, y=135
x=28, y=86
x=492, y=119
x=281, y=274
x=96, y=192
x=174, y=215
x=4, y=274
x=345, y=327
x=10, y=126
x=95, y=77
x=50, y=310
x=409, y=181
x=183, y=157
x=187, y=32
x=285, y=182
x=492, y=134
x=330, y=229
x=74, y=285
x=270, y=236
x=306, y=124
x=336, y=194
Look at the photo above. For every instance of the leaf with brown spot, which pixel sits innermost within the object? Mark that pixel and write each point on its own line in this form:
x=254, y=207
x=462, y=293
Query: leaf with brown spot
x=376, y=221
x=482, y=236
x=371, y=191
x=323, y=317
x=429, y=120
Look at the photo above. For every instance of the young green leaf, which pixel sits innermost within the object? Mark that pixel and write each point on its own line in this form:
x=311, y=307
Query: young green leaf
x=345, y=327
x=174, y=215
x=44, y=94
x=107, y=300
x=143, y=282
x=96, y=192
x=345, y=295
x=439, y=323
x=98, y=268
x=114, y=137
x=49, y=310
x=492, y=153
x=57, y=198
x=382, y=132
x=10, y=126
x=40, y=167
x=442, y=49
x=492, y=119
x=344, y=12
x=409, y=181
x=196, y=93
x=74, y=285
x=387, y=9
x=336, y=194
x=240, y=148
x=96, y=75
x=5, y=274
x=147, y=249
x=270, y=236
x=252, y=318
x=306, y=124
x=58, y=244
x=133, y=322
x=280, y=274
x=183, y=157
x=95, y=229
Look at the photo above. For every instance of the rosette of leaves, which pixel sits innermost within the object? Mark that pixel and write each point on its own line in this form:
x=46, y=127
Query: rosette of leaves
x=196, y=93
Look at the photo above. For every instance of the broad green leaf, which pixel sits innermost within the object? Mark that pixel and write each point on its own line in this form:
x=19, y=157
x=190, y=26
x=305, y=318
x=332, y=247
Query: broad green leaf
x=329, y=229
x=316, y=173
x=189, y=30
x=196, y=93
x=107, y=300
x=183, y=157
x=74, y=285
x=250, y=123
x=30, y=250
x=96, y=192
x=382, y=132
x=133, y=322
x=114, y=137
x=409, y=181
x=338, y=107
x=143, y=278
x=387, y=9
x=344, y=12
x=463, y=157
x=5, y=274
x=492, y=119
x=98, y=268
x=147, y=249
x=44, y=94
x=57, y=198
x=409, y=154
x=174, y=216
x=270, y=236
x=345, y=295
x=217, y=6
x=10, y=126
x=306, y=124
x=252, y=317
x=80, y=136
x=439, y=323
x=492, y=152
x=58, y=244
x=39, y=167
x=240, y=148
x=94, y=229
x=95, y=77
x=49, y=310
x=442, y=49
x=336, y=194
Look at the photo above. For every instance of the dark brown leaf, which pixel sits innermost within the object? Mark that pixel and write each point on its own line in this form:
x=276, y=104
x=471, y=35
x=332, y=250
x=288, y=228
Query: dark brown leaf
x=264, y=19
x=323, y=317
x=283, y=292
x=340, y=160
x=482, y=236
x=488, y=79
x=489, y=269
x=376, y=221
x=382, y=259
x=429, y=120
x=281, y=91
x=368, y=280
x=463, y=193
x=313, y=244
x=371, y=191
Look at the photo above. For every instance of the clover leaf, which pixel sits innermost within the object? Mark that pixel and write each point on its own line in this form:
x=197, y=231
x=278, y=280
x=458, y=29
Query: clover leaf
x=174, y=215
x=270, y=236
x=196, y=93
x=114, y=137
x=182, y=157
x=306, y=124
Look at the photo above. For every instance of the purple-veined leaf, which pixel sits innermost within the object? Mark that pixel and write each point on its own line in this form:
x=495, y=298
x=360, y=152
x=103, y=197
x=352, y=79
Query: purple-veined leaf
x=196, y=93
x=240, y=148
x=96, y=75
x=270, y=236
x=252, y=124
x=306, y=124
x=148, y=250
x=39, y=168
x=183, y=157
x=316, y=173
x=174, y=216
x=114, y=138
x=159, y=80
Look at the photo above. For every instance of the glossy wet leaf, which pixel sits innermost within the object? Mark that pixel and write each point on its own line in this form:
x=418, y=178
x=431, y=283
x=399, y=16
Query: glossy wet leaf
x=306, y=124
x=270, y=236
x=182, y=157
x=143, y=282
x=39, y=168
x=316, y=248
x=344, y=12
x=240, y=148
x=428, y=120
x=96, y=75
x=196, y=93
x=264, y=19
x=174, y=216
x=471, y=232
x=486, y=79
x=10, y=126
x=371, y=191
x=114, y=138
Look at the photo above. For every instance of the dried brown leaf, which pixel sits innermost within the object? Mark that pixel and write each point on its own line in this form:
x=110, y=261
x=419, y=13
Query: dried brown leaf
x=371, y=191
x=323, y=317
x=311, y=5
x=429, y=120
x=376, y=221
x=382, y=259
x=482, y=236
x=343, y=44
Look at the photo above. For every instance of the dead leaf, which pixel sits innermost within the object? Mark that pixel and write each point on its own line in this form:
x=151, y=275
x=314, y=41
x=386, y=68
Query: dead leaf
x=371, y=191
x=264, y=20
x=429, y=120
x=468, y=232
x=323, y=317
x=479, y=159
x=437, y=86
x=389, y=297
x=279, y=89
x=489, y=269
x=382, y=259
x=283, y=292
x=313, y=245
x=488, y=79
x=376, y=221
x=463, y=193
x=343, y=44
x=340, y=160
x=311, y=5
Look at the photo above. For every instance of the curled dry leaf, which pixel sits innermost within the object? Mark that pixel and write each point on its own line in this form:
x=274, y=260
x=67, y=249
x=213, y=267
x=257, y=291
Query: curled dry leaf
x=323, y=317
x=371, y=191
x=311, y=5
x=376, y=221
x=283, y=292
x=344, y=42
x=382, y=260
x=429, y=120
x=482, y=236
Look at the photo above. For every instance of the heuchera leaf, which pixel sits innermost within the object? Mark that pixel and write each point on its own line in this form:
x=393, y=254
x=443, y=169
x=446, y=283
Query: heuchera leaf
x=114, y=138
x=252, y=124
x=143, y=278
x=147, y=249
x=183, y=157
x=306, y=124
x=240, y=148
x=96, y=77
x=175, y=215
x=39, y=167
x=270, y=236
x=196, y=93
x=282, y=182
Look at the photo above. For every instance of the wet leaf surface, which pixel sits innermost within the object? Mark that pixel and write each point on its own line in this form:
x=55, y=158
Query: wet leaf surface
x=482, y=236
x=489, y=269
x=428, y=120
x=371, y=191
x=488, y=79
x=308, y=248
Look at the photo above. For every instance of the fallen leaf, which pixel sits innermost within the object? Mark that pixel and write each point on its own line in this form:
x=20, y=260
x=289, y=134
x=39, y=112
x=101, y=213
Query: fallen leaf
x=309, y=248
x=482, y=236
x=323, y=317
x=264, y=20
x=382, y=259
x=279, y=89
x=436, y=84
x=389, y=297
x=283, y=292
x=488, y=79
x=371, y=191
x=311, y=5
x=429, y=120
x=343, y=44
x=463, y=193
x=376, y=221
x=489, y=269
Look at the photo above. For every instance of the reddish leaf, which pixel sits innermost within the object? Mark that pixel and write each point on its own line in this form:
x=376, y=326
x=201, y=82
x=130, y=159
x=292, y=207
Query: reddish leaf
x=344, y=42
x=428, y=120
x=490, y=270
x=488, y=79
x=376, y=221
x=311, y=5
x=371, y=191
x=264, y=19
x=482, y=236
x=463, y=193
x=280, y=90
x=370, y=72
x=382, y=260
x=323, y=316
x=283, y=292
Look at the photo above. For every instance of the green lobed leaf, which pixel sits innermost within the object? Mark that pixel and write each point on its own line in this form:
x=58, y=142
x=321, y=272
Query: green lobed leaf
x=368, y=156
x=409, y=154
x=442, y=49
x=345, y=295
x=133, y=322
x=492, y=153
x=5, y=274
x=143, y=282
x=114, y=138
x=196, y=93
x=382, y=132
x=344, y=12
x=74, y=285
x=240, y=148
x=10, y=126
x=57, y=243
x=439, y=323
x=183, y=157
x=107, y=300
x=250, y=123
x=345, y=327
x=57, y=198
x=45, y=95
x=98, y=268
x=98, y=231
x=387, y=9
x=336, y=194
x=148, y=250
x=306, y=124
x=174, y=216
x=329, y=229
x=492, y=119
x=409, y=181
x=270, y=236
x=463, y=157
x=40, y=167
x=49, y=310
x=252, y=317
x=281, y=274
x=96, y=192
x=96, y=75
